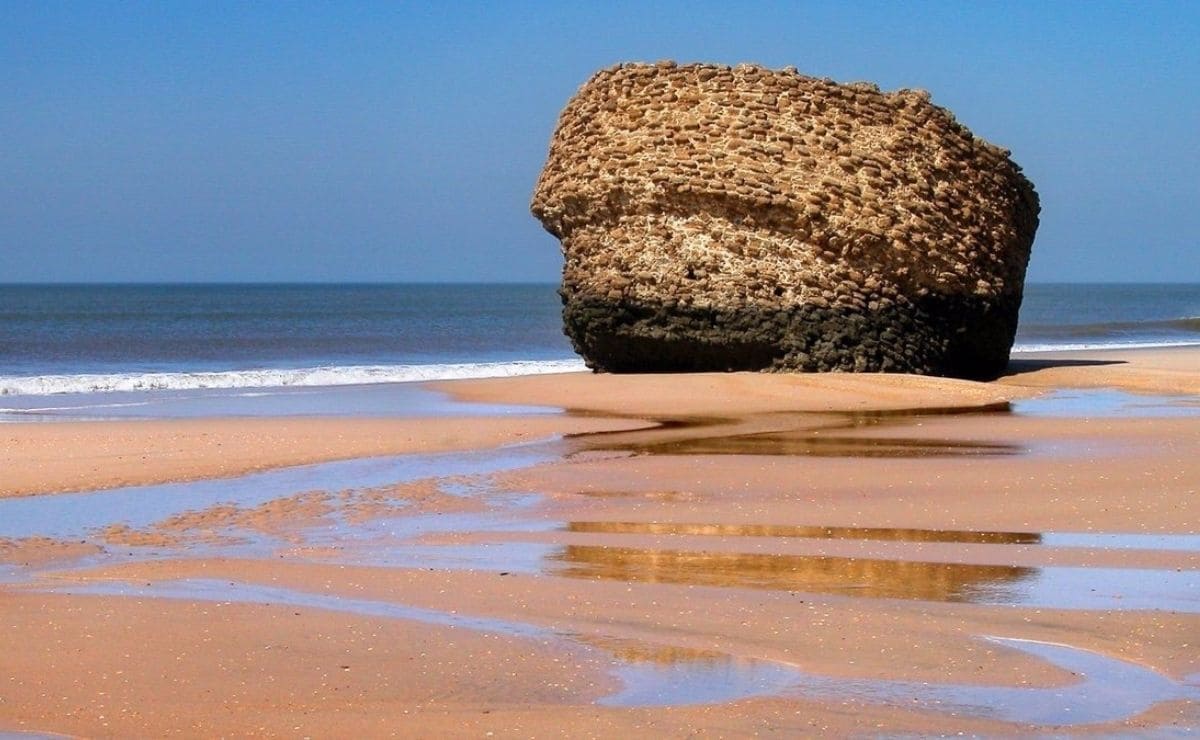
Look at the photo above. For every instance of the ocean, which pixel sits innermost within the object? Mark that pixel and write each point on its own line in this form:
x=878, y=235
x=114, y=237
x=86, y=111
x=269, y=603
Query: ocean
x=72, y=338
x=1074, y=316
x=87, y=340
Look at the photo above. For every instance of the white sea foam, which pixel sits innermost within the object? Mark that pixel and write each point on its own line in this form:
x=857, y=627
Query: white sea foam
x=1081, y=346
x=316, y=377
x=75, y=407
x=45, y=385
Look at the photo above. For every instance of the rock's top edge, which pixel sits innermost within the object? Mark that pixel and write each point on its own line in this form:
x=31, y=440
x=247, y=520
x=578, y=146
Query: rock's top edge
x=748, y=71
x=887, y=182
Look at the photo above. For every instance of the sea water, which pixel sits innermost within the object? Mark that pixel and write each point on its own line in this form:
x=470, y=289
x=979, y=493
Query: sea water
x=1066, y=316
x=102, y=351
x=114, y=350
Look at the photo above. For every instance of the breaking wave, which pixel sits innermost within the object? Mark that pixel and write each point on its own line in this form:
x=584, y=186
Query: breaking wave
x=1183, y=325
x=1098, y=345
x=1178, y=332
x=45, y=385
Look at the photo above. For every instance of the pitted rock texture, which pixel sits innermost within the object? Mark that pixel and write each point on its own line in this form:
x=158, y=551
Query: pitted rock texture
x=718, y=218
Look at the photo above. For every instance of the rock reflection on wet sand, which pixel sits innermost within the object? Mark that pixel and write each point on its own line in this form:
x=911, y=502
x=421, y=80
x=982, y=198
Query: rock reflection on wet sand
x=807, y=445
x=800, y=434
x=636, y=651
x=888, y=534
x=1052, y=587
x=892, y=579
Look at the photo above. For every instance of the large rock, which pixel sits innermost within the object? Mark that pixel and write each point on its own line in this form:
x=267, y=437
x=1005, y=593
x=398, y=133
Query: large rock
x=717, y=218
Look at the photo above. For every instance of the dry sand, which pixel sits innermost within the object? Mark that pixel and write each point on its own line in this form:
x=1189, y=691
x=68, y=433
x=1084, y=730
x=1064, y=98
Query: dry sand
x=85, y=456
x=1159, y=371
x=728, y=539
x=1164, y=371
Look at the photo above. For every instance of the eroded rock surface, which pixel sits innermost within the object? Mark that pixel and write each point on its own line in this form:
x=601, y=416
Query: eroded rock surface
x=717, y=218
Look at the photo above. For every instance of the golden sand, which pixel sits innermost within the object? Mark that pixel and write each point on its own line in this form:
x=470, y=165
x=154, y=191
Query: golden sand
x=781, y=523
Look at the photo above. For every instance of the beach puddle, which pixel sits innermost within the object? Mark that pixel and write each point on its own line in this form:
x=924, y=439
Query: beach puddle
x=1096, y=540
x=1123, y=541
x=805, y=532
x=700, y=681
x=815, y=434
x=496, y=557
x=1108, y=689
x=417, y=542
x=1106, y=402
x=76, y=515
x=1105, y=690
x=798, y=444
x=363, y=512
x=1045, y=587
x=892, y=579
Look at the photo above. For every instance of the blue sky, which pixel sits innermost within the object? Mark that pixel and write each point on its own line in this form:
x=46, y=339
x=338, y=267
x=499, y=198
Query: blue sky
x=209, y=141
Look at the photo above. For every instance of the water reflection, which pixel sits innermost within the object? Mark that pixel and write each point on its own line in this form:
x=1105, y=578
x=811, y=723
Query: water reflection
x=1105, y=689
x=1106, y=402
x=893, y=579
x=705, y=681
x=799, y=443
x=72, y=515
x=807, y=532
x=637, y=651
x=810, y=434
x=1053, y=587
x=654, y=674
x=1096, y=540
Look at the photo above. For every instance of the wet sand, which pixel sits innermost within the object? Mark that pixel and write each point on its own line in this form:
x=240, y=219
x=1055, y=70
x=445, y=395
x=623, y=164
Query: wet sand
x=785, y=554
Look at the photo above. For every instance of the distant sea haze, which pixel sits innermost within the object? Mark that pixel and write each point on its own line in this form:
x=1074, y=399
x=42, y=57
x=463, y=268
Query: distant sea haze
x=97, y=338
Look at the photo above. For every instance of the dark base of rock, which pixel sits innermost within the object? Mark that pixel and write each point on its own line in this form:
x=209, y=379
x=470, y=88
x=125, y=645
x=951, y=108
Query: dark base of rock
x=938, y=335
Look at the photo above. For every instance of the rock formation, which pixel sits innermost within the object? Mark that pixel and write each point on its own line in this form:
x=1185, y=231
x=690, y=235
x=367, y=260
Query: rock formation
x=717, y=218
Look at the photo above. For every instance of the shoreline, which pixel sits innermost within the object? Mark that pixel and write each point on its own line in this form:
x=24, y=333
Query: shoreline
x=69, y=456
x=629, y=577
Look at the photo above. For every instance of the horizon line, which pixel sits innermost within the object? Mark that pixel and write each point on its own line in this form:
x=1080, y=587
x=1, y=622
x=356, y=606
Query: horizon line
x=333, y=283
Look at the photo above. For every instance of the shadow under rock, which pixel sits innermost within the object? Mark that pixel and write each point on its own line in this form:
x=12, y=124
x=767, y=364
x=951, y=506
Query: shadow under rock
x=1018, y=367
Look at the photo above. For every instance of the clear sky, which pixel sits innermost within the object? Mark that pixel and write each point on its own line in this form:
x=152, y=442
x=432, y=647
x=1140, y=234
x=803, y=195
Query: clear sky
x=247, y=141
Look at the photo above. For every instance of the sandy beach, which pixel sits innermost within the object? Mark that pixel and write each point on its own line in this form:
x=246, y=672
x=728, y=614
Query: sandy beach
x=728, y=554
x=594, y=370
x=86, y=456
